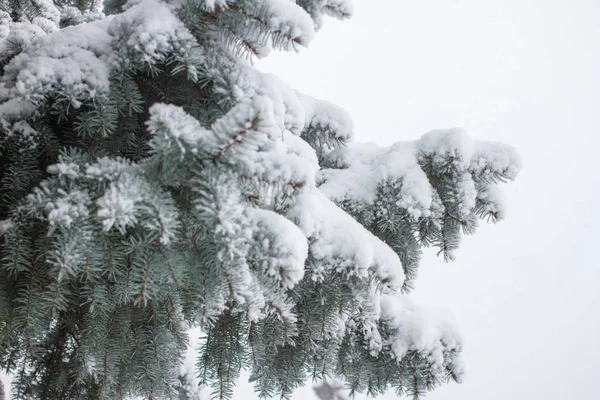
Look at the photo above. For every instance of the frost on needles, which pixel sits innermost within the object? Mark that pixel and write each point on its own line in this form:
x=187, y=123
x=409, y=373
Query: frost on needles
x=153, y=181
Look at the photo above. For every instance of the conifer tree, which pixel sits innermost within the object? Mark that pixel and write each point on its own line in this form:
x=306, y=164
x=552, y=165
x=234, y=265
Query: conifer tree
x=153, y=181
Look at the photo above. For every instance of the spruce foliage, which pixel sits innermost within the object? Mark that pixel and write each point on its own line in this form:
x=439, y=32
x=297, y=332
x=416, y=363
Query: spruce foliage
x=151, y=181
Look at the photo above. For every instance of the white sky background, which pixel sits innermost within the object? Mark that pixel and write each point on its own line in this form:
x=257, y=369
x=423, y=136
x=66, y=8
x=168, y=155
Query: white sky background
x=524, y=72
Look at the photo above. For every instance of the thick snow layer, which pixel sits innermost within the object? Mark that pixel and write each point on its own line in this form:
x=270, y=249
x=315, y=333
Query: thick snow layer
x=365, y=167
x=16, y=32
x=328, y=117
x=287, y=18
x=337, y=239
x=76, y=61
x=369, y=166
x=151, y=29
x=172, y=122
x=493, y=157
x=253, y=139
x=444, y=143
x=47, y=9
x=72, y=60
x=479, y=157
x=415, y=328
x=283, y=242
x=288, y=108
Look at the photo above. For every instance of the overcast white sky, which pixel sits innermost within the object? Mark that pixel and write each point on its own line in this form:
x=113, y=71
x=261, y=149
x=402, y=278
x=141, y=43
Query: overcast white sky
x=525, y=72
